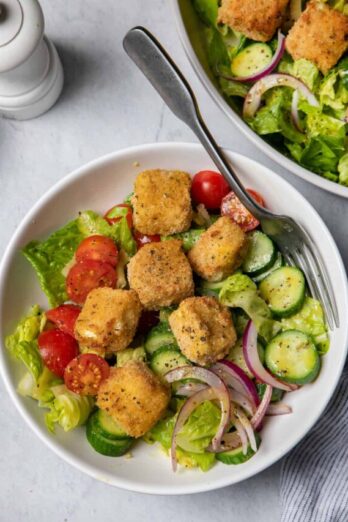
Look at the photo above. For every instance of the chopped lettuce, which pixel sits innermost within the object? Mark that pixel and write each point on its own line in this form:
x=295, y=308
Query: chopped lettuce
x=310, y=320
x=343, y=170
x=131, y=354
x=39, y=389
x=189, y=238
x=22, y=343
x=49, y=257
x=302, y=69
x=193, y=439
x=207, y=10
x=67, y=409
x=239, y=291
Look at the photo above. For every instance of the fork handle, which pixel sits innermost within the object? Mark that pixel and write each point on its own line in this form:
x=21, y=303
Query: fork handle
x=169, y=82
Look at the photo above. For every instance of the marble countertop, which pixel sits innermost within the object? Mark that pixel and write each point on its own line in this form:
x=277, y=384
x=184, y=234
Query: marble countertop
x=106, y=105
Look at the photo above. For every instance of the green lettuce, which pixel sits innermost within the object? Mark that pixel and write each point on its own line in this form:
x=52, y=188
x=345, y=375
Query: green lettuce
x=193, y=439
x=39, y=389
x=189, y=238
x=207, y=10
x=340, y=5
x=50, y=256
x=67, y=409
x=310, y=320
x=22, y=343
x=239, y=291
x=343, y=170
x=302, y=69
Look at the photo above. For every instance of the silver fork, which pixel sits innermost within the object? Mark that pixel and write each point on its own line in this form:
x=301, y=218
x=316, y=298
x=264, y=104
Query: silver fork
x=292, y=239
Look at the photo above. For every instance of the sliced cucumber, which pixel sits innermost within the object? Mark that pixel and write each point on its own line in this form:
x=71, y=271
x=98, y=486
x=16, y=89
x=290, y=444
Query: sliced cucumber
x=284, y=290
x=159, y=336
x=167, y=359
x=293, y=357
x=105, y=442
x=237, y=456
x=107, y=426
x=279, y=262
x=261, y=254
x=251, y=60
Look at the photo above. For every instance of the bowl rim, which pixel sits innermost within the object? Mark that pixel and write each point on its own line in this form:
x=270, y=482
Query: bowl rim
x=78, y=462
x=215, y=94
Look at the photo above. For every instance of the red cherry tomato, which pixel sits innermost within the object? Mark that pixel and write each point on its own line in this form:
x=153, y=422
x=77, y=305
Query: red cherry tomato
x=97, y=248
x=257, y=197
x=232, y=207
x=84, y=374
x=117, y=212
x=64, y=317
x=148, y=320
x=57, y=350
x=208, y=188
x=143, y=239
x=87, y=275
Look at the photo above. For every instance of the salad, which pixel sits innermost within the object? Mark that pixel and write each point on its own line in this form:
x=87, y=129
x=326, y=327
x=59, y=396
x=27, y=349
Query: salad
x=283, y=66
x=171, y=319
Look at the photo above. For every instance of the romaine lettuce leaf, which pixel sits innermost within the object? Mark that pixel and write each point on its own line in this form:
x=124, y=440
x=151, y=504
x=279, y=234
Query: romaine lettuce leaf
x=343, y=170
x=239, y=291
x=40, y=389
x=50, y=256
x=67, y=409
x=310, y=320
x=207, y=10
x=22, y=343
x=302, y=69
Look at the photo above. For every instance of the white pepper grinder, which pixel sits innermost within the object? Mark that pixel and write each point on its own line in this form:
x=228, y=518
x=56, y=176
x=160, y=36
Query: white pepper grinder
x=31, y=73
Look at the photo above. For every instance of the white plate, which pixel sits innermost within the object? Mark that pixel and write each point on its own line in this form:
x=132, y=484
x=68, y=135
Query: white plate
x=99, y=185
x=190, y=38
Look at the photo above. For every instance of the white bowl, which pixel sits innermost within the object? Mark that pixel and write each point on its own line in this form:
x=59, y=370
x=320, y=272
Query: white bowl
x=98, y=186
x=190, y=38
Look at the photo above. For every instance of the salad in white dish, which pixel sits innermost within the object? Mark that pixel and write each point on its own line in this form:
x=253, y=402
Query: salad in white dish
x=172, y=319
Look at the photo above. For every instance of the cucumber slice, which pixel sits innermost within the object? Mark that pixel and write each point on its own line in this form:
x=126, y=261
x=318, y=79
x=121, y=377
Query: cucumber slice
x=279, y=262
x=293, y=357
x=237, y=456
x=167, y=359
x=251, y=60
x=261, y=254
x=159, y=336
x=106, y=445
x=107, y=426
x=284, y=290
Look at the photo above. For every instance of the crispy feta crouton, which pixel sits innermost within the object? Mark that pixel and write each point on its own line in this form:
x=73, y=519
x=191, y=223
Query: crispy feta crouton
x=319, y=35
x=134, y=397
x=203, y=329
x=161, y=274
x=219, y=251
x=162, y=202
x=108, y=319
x=256, y=20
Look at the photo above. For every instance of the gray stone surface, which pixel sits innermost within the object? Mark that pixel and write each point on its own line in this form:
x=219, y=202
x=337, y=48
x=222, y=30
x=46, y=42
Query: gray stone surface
x=107, y=105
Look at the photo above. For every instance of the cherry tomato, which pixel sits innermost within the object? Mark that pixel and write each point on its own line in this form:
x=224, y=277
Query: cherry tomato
x=208, y=188
x=84, y=374
x=257, y=197
x=97, y=248
x=117, y=212
x=148, y=320
x=57, y=349
x=143, y=239
x=64, y=317
x=232, y=207
x=87, y=275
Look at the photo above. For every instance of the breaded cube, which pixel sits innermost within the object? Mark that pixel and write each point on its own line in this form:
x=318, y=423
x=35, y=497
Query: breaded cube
x=161, y=274
x=203, y=329
x=257, y=20
x=162, y=202
x=219, y=251
x=319, y=35
x=108, y=319
x=134, y=396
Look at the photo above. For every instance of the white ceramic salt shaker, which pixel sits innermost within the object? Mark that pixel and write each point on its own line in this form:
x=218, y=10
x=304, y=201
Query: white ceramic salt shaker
x=31, y=73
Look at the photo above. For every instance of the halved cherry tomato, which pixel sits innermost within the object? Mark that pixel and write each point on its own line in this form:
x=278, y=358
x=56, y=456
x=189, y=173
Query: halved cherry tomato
x=148, y=320
x=143, y=239
x=119, y=211
x=208, y=188
x=232, y=207
x=87, y=275
x=57, y=349
x=97, y=248
x=64, y=317
x=85, y=373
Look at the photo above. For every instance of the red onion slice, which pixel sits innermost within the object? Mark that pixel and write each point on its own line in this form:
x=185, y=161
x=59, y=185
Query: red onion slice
x=279, y=409
x=252, y=101
x=242, y=434
x=190, y=388
x=217, y=390
x=249, y=428
x=237, y=379
x=267, y=69
x=294, y=111
x=229, y=442
x=251, y=356
x=262, y=409
x=242, y=401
